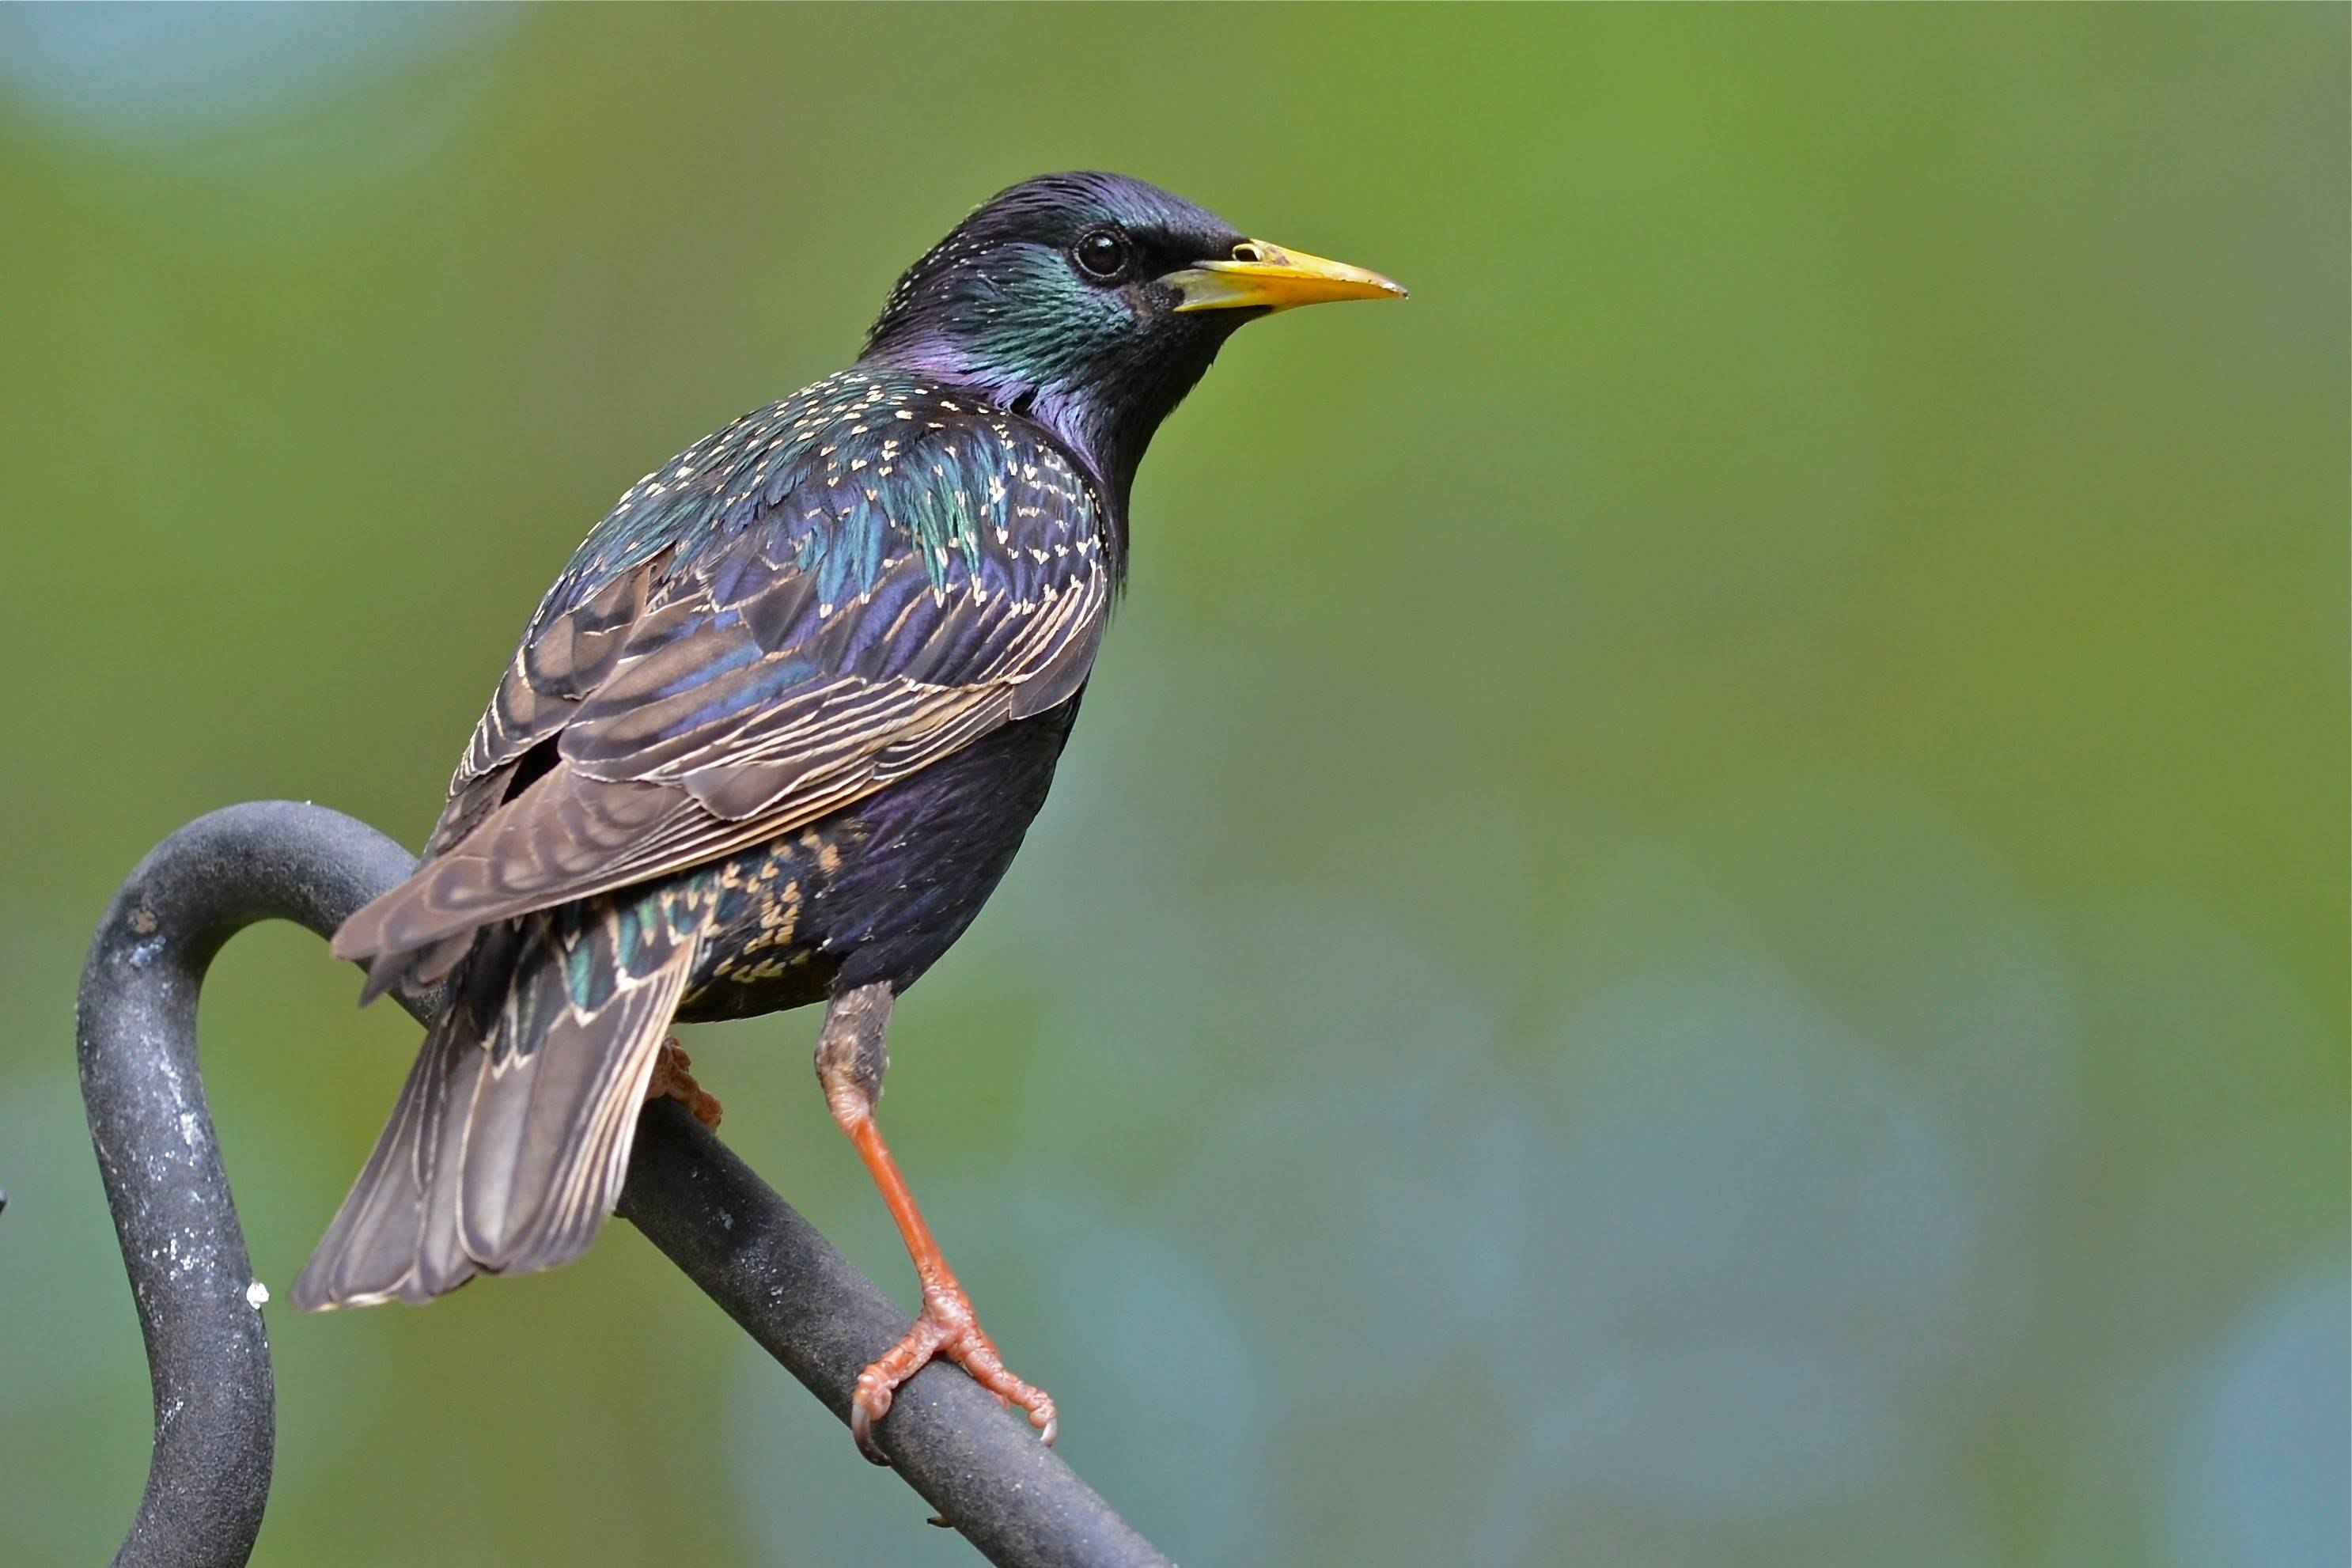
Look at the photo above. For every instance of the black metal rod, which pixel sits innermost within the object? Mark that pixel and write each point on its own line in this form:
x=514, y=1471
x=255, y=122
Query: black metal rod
x=208, y=1358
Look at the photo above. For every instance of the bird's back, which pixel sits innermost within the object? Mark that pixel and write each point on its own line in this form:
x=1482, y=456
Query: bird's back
x=825, y=597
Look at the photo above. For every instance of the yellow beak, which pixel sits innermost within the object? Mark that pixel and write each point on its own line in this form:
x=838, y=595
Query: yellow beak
x=1266, y=276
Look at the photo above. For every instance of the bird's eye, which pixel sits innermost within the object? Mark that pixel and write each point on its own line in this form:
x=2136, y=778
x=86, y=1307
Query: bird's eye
x=1102, y=255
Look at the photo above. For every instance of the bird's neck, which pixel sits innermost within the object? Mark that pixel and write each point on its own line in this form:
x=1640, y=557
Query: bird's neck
x=1106, y=436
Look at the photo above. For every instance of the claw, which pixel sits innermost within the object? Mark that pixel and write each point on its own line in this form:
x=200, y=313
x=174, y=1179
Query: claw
x=862, y=1417
x=947, y=1328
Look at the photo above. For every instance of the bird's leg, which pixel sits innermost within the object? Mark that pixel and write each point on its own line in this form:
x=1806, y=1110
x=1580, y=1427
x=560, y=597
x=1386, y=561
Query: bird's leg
x=850, y=1060
x=671, y=1080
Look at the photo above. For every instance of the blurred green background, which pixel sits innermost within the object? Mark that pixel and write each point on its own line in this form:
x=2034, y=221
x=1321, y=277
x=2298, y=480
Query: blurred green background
x=1699, y=916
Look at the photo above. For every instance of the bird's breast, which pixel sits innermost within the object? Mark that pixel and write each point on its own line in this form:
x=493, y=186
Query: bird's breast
x=877, y=891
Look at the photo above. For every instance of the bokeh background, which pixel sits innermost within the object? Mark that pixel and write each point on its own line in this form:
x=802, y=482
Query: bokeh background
x=1699, y=916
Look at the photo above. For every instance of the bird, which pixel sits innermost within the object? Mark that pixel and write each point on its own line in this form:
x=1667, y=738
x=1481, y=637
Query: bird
x=776, y=732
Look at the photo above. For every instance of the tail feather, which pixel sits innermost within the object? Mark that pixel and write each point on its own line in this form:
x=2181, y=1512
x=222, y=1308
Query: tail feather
x=548, y=1132
x=510, y=1140
x=384, y=1242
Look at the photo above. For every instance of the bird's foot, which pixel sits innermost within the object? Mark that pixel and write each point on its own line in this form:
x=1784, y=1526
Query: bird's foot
x=671, y=1080
x=948, y=1327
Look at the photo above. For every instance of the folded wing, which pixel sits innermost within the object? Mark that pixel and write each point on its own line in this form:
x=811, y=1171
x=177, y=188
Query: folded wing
x=799, y=623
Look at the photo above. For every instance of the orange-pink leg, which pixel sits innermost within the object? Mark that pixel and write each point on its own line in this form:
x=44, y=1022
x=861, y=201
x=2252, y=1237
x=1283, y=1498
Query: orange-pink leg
x=671, y=1080
x=850, y=1063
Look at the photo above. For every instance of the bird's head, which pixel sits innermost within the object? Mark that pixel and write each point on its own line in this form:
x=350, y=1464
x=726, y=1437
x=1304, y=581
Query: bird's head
x=1092, y=303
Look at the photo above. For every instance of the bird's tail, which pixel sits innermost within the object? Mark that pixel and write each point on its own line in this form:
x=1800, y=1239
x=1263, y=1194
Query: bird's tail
x=509, y=1144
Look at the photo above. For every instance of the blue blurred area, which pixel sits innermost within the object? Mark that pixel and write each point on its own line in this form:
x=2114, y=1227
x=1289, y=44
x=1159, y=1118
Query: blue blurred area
x=1699, y=913
x=139, y=74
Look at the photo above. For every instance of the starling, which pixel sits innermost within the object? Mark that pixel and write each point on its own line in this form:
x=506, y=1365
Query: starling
x=775, y=734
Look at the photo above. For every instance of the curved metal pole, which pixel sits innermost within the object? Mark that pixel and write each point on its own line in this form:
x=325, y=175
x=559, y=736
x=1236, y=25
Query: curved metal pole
x=208, y=1357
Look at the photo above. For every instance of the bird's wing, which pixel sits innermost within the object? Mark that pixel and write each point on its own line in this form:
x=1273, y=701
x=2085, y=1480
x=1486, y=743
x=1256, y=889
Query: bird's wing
x=802, y=639
x=574, y=642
